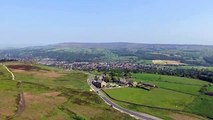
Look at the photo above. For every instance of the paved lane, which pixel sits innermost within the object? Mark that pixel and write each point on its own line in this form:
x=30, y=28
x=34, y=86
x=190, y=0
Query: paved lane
x=137, y=115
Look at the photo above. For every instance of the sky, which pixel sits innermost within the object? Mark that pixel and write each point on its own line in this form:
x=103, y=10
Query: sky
x=42, y=22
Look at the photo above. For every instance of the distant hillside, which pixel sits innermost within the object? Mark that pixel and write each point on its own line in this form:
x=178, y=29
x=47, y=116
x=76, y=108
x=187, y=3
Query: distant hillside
x=132, y=52
x=118, y=45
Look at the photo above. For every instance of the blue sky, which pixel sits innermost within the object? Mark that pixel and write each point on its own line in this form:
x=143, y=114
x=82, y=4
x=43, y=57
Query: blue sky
x=40, y=22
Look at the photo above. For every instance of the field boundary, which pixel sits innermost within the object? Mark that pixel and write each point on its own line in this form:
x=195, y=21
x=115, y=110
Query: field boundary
x=175, y=82
x=179, y=91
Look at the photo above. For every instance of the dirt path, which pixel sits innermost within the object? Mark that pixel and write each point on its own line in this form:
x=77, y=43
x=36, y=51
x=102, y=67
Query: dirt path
x=13, y=76
x=21, y=104
x=20, y=97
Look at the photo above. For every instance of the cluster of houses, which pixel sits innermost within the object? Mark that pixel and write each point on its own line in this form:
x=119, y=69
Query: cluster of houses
x=87, y=66
x=102, y=83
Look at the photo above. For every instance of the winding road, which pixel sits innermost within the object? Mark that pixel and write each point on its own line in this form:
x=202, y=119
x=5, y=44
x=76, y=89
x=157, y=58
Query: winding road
x=137, y=115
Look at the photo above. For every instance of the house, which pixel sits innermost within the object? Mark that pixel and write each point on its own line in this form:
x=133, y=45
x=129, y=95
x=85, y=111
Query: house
x=134, y=84
x=103, y=84
x=149, y=85
x=113, y=85
x=99, y=84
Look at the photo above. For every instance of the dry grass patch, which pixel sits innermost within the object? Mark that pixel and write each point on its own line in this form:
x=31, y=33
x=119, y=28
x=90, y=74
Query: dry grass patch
x=37, y=106
x=40, y=74
x=24, y=67
x=57, y=118
x=85, y=110
x=49, y=74
x=34, y=71
x=167, y=62
x=7, y=103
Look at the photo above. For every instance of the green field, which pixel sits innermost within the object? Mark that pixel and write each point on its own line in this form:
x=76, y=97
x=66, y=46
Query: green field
x=210, y=89
x=53, y=94
x=203, y=105
x=164, y=114
x=144, y=62
x=156, y=97
x=173, y=92
x=189, y=89
x=156, y=77
x=179, y=84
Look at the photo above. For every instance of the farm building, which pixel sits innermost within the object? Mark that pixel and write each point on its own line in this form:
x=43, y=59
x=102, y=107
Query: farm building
x=99, y=84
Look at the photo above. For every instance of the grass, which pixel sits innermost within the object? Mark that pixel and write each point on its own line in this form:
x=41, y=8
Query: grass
x=156, y=97
x=76, y=80
x=146, y=77
x=203, y=105
x=8, y=94
x=7, y=103
x=4, y=75
x=188, y=89
x=164, y=114
x=210, y=89
x=180, y=84
x=144, y=62
x=90, y=105
x=55, y=94
x=173, y=93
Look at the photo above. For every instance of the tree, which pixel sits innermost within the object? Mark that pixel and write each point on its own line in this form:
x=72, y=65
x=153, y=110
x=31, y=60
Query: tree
x=96, y=78
x=107, y=78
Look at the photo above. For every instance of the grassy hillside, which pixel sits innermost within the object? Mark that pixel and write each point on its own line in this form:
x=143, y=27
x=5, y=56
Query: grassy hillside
x=52, y=94
x=8, y=94
x=107, y=52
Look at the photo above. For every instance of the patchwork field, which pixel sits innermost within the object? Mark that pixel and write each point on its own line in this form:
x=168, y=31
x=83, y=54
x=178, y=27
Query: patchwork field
x=165, y=78
x=180, y=84
x=176, y=93
x=51, y=94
